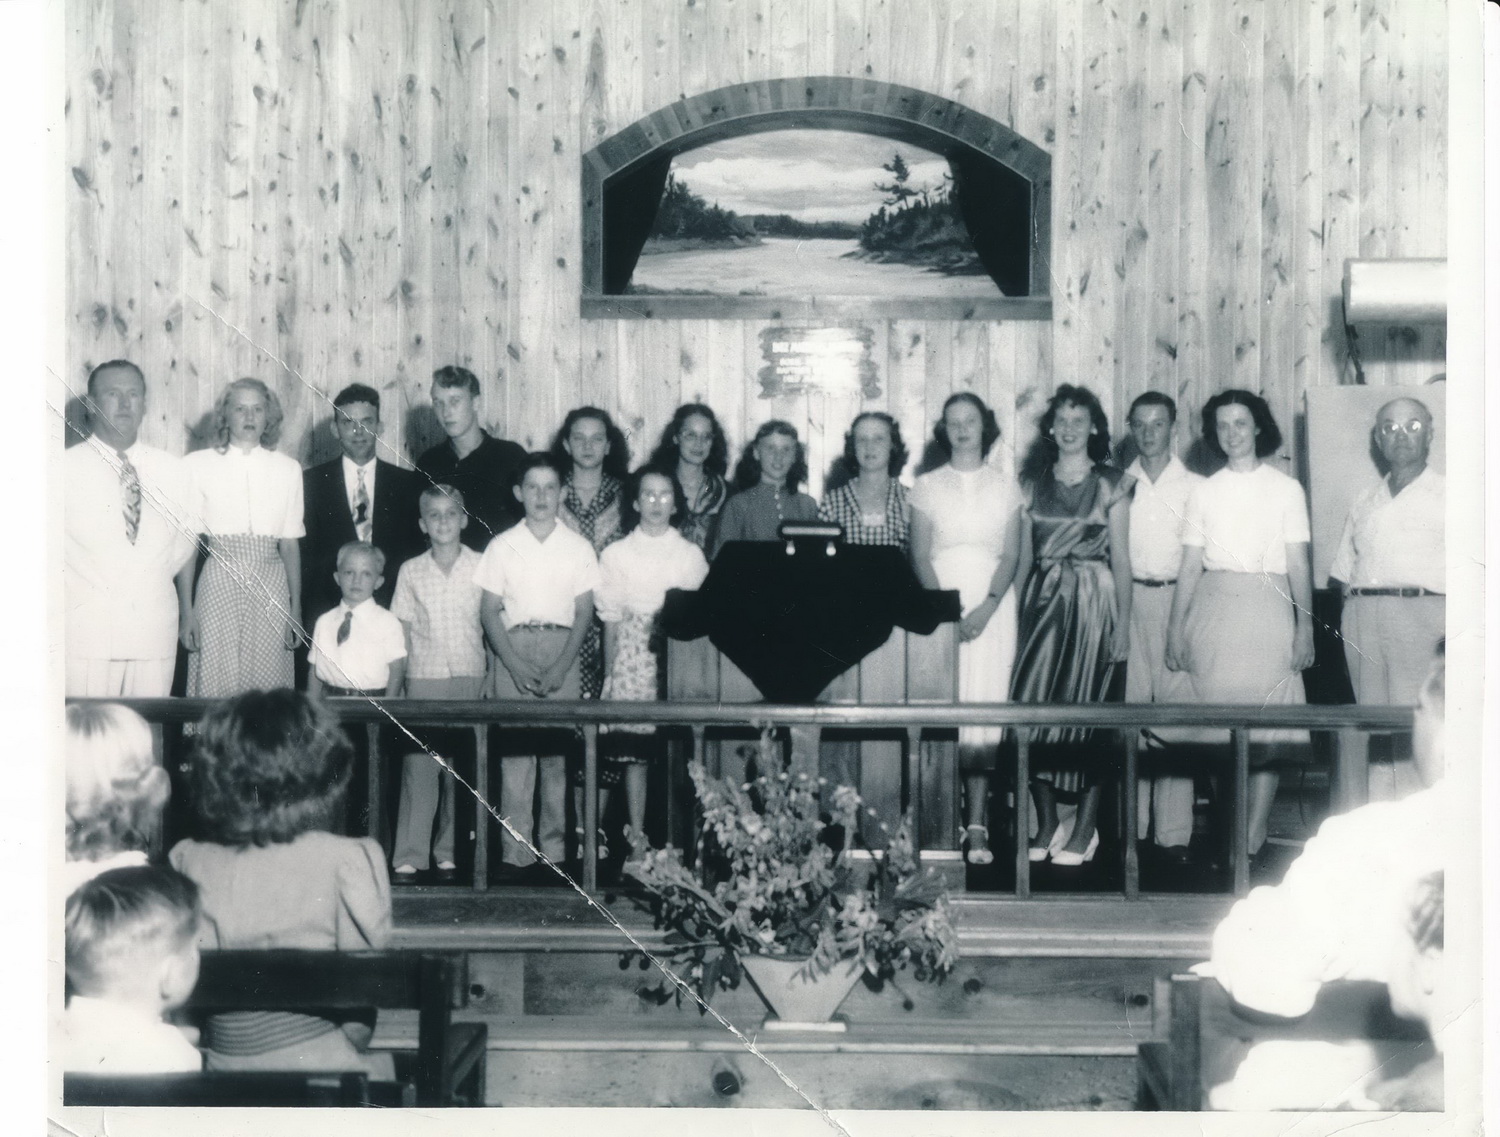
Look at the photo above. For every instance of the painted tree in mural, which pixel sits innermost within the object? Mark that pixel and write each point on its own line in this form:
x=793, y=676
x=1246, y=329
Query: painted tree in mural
x=918, y=225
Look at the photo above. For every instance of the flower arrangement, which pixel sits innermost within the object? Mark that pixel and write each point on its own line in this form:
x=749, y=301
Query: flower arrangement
x=772, y=878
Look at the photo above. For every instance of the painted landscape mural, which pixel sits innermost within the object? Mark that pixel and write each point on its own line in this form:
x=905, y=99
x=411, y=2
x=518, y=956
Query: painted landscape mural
x=810, y=211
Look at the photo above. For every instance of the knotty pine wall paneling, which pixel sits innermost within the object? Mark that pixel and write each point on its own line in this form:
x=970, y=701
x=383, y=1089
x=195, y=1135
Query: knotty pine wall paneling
x=314, y=193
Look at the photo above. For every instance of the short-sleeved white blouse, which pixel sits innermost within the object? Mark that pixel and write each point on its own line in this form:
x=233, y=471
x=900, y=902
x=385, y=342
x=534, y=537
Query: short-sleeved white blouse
x=1244, y=521
x=637, y=570
x=247, y=491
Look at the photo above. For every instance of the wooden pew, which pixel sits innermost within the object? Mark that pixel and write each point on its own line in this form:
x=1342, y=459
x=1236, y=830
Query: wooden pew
x=236, y=1090
x=449, y=1067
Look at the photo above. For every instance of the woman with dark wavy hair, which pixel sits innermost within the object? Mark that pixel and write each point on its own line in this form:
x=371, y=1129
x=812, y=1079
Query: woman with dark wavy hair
x=266, y=782
x=694, y=448
x=864, y=495
x=765, y=483
x=246, y=617
x=1241, y=623
x=965, y=535
x=1074, y=611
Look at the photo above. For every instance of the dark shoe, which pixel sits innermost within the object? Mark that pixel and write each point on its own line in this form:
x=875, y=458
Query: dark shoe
x=510, y=874
x=404, y=879
x=1177, y=856
x=445, y=876
x=542, y=875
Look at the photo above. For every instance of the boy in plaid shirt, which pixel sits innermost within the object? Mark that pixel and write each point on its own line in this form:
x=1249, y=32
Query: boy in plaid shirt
x=437, y=602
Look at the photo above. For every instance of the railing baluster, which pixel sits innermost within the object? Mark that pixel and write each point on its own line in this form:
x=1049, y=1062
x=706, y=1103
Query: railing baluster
x=1240, y=840
x=671, y=749
x=1129, y=827
x=1023, y=797
x=1352, y=787
x=481, y=807
x=591, y=807
x=913, y=804
x=374, y=783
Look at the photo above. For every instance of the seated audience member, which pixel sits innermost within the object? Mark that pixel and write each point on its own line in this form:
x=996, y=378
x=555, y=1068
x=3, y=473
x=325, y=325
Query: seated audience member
x=766, y=482
x=132, y=956
x=115, y=791
x=870, y=503
x=635, y=574
x=1362, y=1073
x=358, y=648
x=267, y=783
x=538, y=579
x=438, y=604
x=694, y=449
x=1329, y=917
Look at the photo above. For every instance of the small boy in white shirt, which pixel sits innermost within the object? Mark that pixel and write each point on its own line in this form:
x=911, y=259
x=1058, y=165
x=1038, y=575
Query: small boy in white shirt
x=438, y=604
x=538, y=579
x=132, y=956
x=358, y=648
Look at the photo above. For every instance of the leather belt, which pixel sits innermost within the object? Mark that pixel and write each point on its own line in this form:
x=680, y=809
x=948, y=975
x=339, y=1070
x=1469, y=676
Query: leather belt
x=539, y=627
x=354, y=692
x=1155, y=583
x=1408, y=593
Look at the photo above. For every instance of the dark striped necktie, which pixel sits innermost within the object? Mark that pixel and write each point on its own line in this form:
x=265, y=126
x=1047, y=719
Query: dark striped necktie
x=362, y=509
x=344, y=627
x=130, y=497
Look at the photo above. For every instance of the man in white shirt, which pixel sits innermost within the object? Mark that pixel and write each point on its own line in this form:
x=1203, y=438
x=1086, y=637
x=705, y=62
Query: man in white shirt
x=539, y=579
x=127, y=533
x=1390, y=567
x=1157, y=514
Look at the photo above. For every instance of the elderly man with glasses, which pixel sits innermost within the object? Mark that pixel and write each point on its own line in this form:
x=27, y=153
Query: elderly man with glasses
x=1390, y=566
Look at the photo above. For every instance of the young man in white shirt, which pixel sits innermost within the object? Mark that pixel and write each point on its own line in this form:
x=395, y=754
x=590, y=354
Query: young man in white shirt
x=127, y=534
x=1157, y=513
x=538, y=579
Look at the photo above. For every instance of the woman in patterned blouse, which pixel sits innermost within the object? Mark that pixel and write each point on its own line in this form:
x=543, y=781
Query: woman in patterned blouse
x=694, y=447
x=865, y=497
x=593, y=451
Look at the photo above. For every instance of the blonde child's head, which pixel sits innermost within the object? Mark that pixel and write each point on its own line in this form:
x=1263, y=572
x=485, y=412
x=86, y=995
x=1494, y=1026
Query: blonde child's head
x=359, y=571
x=131, y=936
x=116, y=790
x=442, y=515
x=268, y=767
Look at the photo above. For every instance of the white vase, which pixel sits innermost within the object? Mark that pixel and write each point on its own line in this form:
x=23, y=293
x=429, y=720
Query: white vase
x=799, y=999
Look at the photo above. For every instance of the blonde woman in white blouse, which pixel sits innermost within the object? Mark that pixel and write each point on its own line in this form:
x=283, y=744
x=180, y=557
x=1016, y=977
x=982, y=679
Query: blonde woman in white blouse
x=1241, y=623
x=246, y=616
x=636, y=572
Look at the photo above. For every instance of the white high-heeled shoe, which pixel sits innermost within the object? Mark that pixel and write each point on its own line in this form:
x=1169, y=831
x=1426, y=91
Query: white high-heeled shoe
x=1067, y=858
x=977, y=856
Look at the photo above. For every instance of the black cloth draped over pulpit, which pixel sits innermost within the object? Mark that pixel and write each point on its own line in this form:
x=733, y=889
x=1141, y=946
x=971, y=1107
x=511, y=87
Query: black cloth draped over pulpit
x=794, y=623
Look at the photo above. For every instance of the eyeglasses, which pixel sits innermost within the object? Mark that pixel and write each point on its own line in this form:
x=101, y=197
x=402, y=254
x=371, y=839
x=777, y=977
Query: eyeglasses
x=656, y=495
x=1413, y=429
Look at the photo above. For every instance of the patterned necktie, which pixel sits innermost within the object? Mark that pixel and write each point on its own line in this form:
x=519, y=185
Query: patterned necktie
x=344, y=627
x=361, y=510
x=130, y=497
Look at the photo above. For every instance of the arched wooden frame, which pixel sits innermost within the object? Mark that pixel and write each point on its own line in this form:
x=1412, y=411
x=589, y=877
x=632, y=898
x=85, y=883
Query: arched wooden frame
x=829, y=103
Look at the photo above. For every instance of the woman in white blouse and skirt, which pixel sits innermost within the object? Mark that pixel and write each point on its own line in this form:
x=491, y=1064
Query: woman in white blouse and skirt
x=636, y=572
x=246, y=616
x=1241, y=623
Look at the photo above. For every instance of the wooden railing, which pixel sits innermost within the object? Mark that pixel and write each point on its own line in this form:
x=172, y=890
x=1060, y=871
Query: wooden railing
x=1350, y=726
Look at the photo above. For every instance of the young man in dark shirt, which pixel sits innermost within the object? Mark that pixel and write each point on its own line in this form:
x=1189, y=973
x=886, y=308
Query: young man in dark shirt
x=477, y=464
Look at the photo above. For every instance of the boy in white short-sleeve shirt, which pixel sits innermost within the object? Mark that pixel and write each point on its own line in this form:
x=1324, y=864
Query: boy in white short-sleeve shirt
x=538, y=579
x=358, y=648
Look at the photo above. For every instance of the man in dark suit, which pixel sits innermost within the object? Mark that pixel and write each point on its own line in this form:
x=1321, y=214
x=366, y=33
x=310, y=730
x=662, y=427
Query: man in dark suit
x=356, y=497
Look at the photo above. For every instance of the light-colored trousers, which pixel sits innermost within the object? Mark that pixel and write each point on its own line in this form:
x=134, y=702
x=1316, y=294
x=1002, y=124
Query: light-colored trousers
x=519, y=775
x=119, y=678
x=1166, y=799
x=1389, y=644
x=427, y=788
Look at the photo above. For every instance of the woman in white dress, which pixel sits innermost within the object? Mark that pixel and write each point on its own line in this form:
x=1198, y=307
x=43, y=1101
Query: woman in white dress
x=1241, y=624
x=965, y=535
x=635, y=574
x=246, y=616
